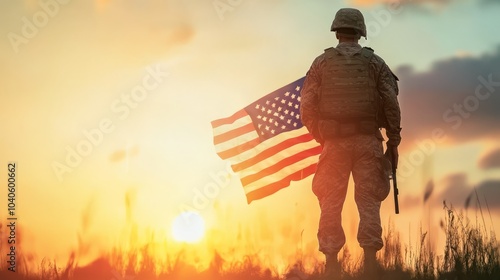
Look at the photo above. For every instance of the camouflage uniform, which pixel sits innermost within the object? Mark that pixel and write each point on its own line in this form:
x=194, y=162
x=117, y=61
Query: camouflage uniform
x=358, y=153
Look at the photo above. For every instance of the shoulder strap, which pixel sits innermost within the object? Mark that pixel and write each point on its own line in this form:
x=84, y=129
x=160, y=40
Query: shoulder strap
x=331, y=52
x=367, y=53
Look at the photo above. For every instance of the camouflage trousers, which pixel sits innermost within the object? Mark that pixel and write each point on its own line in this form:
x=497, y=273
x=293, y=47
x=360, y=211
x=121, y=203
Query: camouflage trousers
x=360, y=155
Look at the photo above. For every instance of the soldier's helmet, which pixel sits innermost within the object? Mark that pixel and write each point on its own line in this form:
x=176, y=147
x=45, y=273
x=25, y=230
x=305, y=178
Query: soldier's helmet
x=349, y=18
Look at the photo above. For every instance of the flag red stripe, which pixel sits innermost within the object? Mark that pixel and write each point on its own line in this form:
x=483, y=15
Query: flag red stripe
x=233, y=133
x=283, y=183
x=229, y=120
x=280, y=165
x=239, y=149
x=272, y=151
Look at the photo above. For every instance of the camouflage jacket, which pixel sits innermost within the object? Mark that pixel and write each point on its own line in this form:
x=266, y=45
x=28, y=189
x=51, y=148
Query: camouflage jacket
x=386, y=84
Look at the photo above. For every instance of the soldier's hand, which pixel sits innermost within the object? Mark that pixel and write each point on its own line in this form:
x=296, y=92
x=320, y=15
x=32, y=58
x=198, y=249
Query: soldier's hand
x=393, y=155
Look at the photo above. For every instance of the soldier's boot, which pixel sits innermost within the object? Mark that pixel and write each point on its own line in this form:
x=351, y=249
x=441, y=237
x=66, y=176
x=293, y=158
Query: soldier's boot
x=332, y=268
x=372, y=269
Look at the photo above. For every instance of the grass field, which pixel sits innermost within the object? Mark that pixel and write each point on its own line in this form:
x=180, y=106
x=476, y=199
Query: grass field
x=471, y=252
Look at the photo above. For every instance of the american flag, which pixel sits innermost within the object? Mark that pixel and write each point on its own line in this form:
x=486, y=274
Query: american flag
x=266, y=143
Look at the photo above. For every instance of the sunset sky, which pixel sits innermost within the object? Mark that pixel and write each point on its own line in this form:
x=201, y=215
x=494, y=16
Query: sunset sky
x=68, y=68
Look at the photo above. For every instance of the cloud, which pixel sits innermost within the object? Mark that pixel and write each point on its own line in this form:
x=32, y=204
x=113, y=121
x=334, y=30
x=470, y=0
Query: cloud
x=490, y=2
x=455, y=190
x=488, y=193
x=490, y=160
x=123, y=154
x=404, y=2
x=459, y=96
x=371, y=2
x=459, y=193
x=142, y=31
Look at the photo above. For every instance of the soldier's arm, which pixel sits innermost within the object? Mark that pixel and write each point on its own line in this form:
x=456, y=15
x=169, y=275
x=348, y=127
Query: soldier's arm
x=388, y=89
x=309, y=98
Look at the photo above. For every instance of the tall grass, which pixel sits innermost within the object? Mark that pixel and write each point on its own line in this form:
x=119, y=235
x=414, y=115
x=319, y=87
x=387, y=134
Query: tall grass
x=471, y=253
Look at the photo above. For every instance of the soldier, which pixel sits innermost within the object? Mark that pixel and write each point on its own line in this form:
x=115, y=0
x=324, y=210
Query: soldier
x=348, y=95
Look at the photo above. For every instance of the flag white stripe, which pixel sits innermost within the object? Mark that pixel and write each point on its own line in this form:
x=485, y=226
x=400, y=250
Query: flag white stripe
x=269, y=143
x=236, y=124
x=234, y=142
x=283, y=154
x=275, y=177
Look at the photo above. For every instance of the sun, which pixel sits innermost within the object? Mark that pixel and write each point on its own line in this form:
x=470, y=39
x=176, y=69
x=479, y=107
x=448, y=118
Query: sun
x=188, y=227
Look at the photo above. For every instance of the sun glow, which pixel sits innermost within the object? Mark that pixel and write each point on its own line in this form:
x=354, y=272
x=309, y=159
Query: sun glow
x=188, y=227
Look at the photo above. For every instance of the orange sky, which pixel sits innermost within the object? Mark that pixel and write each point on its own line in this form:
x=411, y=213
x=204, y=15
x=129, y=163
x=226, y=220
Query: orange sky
x=77, y=73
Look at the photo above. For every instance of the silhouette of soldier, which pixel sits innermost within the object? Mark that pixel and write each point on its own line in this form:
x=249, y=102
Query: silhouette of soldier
x=349, y=94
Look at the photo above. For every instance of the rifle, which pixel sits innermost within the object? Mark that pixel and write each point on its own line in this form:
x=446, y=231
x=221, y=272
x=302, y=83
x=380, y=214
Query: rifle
x=396, y=191
x=390, y=158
